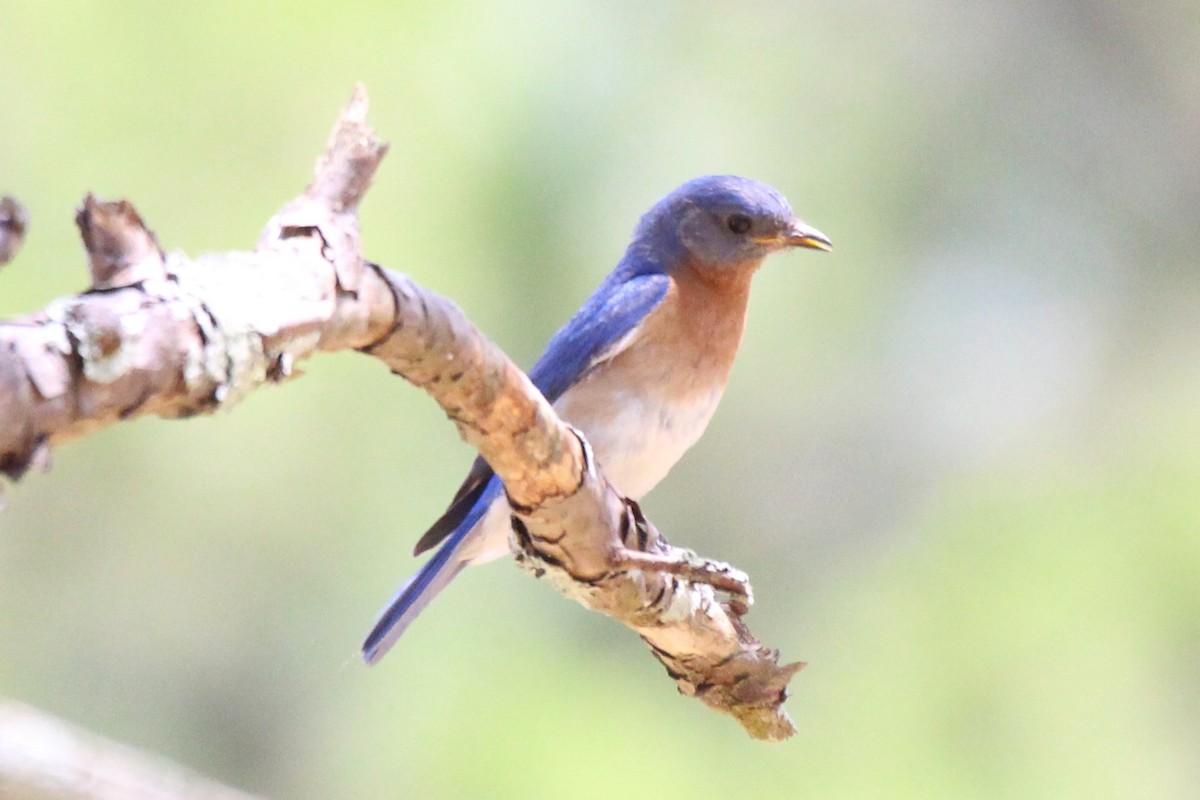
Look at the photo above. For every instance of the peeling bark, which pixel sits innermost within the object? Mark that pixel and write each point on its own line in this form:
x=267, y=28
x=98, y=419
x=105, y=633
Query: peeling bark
x=172, y=336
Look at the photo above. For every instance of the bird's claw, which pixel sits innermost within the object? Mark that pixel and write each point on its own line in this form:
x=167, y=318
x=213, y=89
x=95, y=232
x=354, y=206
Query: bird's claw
x=693, y=568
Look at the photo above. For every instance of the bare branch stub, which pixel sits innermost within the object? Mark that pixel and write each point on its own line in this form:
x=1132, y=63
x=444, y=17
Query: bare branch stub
x=121, y=250
x=343, y=175
x=324, y=216
x=14, y=221
x=173, y=336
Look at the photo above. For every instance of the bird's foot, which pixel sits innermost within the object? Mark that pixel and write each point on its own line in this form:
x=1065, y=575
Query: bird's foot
x=694, y=568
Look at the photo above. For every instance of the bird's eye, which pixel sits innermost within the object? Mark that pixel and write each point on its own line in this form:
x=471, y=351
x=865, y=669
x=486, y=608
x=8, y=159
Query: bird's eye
x=738, y=223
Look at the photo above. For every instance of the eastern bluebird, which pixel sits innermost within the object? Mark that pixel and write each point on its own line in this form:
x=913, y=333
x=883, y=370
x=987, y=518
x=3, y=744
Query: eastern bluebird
x=639, y=369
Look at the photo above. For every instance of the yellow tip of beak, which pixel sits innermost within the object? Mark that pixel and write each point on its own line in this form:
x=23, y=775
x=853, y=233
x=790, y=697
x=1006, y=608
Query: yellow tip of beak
x=801, y=235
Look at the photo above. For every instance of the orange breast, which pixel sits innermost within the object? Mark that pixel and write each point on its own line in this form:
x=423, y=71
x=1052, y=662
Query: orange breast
x=689, y=343
x=647, y=405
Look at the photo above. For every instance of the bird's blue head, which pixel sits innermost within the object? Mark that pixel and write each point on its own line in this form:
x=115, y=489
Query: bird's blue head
x=720, y=223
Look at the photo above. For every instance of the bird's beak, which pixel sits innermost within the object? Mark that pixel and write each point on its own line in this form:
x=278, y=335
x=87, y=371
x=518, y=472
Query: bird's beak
x=799, y=234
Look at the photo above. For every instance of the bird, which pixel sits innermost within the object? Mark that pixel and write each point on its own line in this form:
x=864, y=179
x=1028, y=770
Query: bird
x=639, y=369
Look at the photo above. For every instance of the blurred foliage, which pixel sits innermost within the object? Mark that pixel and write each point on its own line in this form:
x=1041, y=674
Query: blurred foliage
x=959, y=456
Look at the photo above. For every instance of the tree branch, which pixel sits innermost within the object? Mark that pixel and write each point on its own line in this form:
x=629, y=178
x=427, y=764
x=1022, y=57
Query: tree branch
x=173, y=336
x=43, y=758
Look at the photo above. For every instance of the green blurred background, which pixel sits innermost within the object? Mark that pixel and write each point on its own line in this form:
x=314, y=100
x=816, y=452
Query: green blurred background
x=960, y=456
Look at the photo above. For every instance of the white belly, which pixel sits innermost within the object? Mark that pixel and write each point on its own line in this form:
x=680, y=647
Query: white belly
x=642, y=437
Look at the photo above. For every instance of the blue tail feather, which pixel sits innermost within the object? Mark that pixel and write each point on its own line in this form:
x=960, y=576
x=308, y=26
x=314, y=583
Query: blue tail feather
x=424, y=585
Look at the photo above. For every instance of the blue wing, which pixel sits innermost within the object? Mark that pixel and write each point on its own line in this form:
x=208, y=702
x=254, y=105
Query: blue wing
x=612, y=312
x=593, y=335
